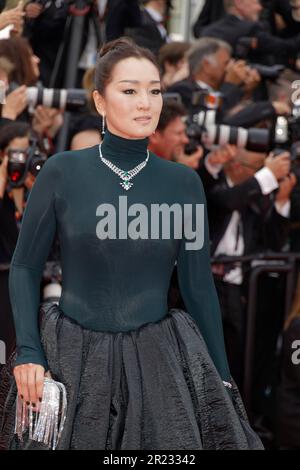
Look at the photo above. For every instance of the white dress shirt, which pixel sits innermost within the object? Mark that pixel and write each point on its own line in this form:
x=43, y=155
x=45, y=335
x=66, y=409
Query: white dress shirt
x=158, y=18
x=232, y=243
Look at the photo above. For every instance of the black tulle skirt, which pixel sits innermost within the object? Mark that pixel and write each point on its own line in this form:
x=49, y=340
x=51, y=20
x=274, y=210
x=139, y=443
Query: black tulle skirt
x=154, y=388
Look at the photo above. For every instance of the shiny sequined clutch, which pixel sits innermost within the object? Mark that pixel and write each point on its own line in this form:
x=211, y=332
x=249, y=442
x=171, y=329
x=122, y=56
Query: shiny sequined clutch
x=45, y=425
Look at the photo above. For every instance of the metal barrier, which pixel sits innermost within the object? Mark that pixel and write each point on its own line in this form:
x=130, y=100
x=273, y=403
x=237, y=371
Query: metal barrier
x=272, y=263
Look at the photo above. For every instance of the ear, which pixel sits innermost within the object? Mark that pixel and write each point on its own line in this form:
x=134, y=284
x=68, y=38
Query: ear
x=99, y=102
x=169, y=67
x=155, y=138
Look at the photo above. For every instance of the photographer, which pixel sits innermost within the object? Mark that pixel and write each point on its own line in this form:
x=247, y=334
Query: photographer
x=15, y=102
x=25, y=72
x=151, y=33
x=14, y=135
x=170, y=137
x=242, y=20
x=212, y=69
x=246, y=217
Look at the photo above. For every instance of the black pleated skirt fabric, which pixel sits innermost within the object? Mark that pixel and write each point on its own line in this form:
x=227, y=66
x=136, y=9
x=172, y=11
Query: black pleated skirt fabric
x=154, y=388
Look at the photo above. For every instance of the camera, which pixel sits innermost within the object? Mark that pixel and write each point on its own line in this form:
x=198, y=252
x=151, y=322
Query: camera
x=202, y=128
x=71, y=99
x=21, y=161
x=287, y=133
x=242, y=50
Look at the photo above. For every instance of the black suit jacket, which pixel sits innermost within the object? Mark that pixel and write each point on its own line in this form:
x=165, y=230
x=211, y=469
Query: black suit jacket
x=147, y=34
x=263, y=227
x=212, y=11
x=121, y=14
x=231, y=28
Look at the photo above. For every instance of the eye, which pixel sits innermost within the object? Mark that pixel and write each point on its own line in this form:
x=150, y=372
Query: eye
x=130, y=91
x=157, y=91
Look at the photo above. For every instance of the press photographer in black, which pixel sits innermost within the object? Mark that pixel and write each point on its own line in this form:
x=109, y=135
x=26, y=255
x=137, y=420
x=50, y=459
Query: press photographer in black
x=243, y=20
x=211, y=68
x=249, y=207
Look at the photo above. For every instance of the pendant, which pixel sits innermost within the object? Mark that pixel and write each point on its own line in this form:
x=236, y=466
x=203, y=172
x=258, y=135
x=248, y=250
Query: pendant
x=126, y=185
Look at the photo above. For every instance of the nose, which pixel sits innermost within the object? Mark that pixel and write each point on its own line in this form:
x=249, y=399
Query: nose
x=144, y=102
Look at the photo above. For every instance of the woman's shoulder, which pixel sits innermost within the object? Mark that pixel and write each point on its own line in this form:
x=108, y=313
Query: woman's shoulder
x=69, y=158
x=73, y=155
x=179, y=171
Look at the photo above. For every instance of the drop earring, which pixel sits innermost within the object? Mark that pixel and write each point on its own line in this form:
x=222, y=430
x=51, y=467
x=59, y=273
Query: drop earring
x=103, y=125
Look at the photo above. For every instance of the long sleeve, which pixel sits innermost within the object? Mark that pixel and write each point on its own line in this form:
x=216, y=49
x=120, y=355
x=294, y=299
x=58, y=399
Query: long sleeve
x=196, y=282
x=34, y=242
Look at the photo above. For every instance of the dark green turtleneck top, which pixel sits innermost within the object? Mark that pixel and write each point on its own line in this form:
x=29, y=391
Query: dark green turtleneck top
x=112, y=280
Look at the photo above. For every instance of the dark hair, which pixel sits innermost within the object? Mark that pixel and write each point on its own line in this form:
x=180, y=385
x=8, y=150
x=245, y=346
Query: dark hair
x=170, y=111
x=10, y=131
x=18, y=51
x=112, y=53
x=172, y=52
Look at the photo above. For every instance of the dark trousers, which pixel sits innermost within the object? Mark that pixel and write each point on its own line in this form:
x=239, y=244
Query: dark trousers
x=7, y=330
x=232, y=303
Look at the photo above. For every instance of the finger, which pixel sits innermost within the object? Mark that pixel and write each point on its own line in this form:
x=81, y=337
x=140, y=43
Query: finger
x=5, y=161
x=17, y=376
x=39, y=380
x=293, y=179
x=48, y=374
x=24, y=383
x=31, y=385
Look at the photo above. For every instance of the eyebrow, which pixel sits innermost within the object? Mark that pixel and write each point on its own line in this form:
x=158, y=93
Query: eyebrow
x=136, y=81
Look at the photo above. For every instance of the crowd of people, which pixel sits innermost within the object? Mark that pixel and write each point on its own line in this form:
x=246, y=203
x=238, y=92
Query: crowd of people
x=238, y=71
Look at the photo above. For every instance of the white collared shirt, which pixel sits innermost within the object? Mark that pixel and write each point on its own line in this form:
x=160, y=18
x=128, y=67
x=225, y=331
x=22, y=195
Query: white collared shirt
x=158, y=18
x=232, y=243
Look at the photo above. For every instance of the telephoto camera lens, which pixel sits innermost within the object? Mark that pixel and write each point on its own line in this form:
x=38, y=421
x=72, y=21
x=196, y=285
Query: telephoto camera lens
x=255, y=140
x=70, y=100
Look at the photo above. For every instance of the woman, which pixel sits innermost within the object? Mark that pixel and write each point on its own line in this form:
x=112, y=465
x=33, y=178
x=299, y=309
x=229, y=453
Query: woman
x=136, y=375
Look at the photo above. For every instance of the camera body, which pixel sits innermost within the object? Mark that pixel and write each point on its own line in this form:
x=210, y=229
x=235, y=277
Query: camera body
x=287, y=133
x=202, y=128
x=21, y=161
x=267, y=72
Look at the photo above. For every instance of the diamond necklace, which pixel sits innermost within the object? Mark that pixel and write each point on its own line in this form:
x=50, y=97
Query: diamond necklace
x=125, y=176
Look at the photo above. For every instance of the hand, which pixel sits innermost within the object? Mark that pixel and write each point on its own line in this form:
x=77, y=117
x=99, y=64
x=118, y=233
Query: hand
x=3, y=169
x=13, y=16
x=252, y=80
x=281, y=107
x=190, y=160
x=15, y=104
x=236, y=72
x=30, y=383
x=47, y=120
x=285, y=188
x=33, y=10
x=280, y=165
x=222, y=155
x=3, y=175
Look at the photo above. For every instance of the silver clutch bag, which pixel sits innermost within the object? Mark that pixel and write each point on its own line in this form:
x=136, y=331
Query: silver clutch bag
x=45, y=425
